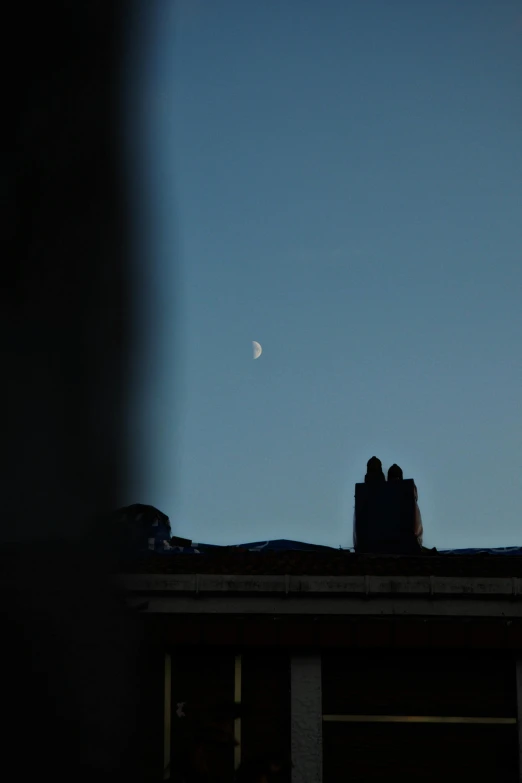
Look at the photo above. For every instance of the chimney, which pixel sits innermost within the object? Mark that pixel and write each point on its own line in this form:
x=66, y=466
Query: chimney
x=385, y=521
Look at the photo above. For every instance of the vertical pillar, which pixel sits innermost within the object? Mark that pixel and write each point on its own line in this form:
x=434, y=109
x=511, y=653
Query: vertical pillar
x=519, y=716
x=306, y=719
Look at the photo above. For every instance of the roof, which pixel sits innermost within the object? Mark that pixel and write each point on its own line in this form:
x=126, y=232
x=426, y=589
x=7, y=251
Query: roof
x=297, y=558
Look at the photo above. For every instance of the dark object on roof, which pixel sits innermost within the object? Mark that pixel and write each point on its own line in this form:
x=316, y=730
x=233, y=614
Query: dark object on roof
x=147, y=516
x=146, y=526
x=133, y=530
x=374, y=472
x=177, y=541
x=395, y=473
x=385, y=518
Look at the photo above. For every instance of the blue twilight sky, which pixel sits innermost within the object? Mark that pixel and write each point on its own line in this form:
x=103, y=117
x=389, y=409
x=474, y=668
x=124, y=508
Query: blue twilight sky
x=341, y=181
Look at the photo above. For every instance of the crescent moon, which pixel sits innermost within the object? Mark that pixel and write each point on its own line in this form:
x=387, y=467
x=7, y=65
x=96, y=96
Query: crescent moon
x=256, y=349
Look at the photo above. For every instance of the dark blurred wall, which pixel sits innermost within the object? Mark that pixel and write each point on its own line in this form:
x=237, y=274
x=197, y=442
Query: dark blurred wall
x=70, y=652
x=65, y=313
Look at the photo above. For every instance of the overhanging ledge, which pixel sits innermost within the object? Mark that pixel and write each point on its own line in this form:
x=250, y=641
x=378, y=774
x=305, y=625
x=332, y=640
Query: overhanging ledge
x=304, y=595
